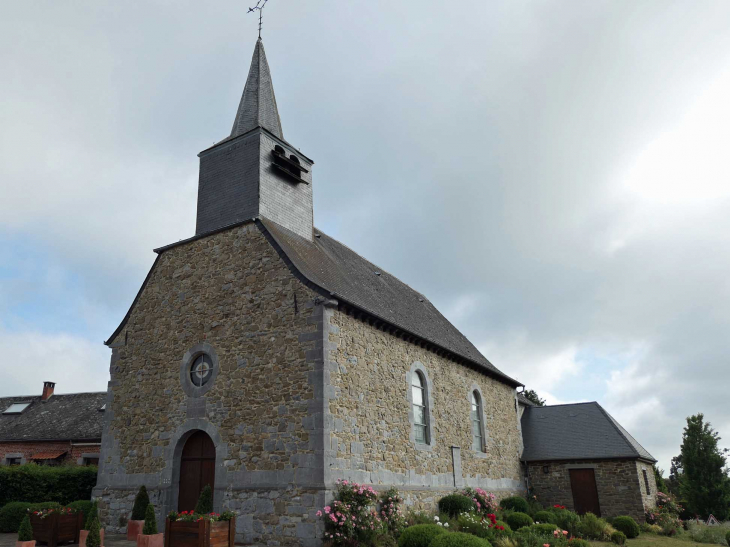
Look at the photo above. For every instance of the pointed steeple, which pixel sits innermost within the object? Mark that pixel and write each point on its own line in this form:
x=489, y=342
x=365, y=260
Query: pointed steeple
x=258, y=103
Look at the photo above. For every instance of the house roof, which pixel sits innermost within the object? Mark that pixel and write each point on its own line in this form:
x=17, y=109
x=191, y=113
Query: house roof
x=583, y=431
x=524, y=400
x=349, y=277
x=71, y=417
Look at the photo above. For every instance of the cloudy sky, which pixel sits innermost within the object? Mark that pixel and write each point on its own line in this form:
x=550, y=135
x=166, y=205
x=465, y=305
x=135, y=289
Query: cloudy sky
x=553, y=175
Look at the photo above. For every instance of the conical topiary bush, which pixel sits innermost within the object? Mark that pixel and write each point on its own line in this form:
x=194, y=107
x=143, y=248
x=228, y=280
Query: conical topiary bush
x=205, y=501
x=25, y=533
x=150, y=521
x=93, y=514
x=94, y=537
x=141, y=501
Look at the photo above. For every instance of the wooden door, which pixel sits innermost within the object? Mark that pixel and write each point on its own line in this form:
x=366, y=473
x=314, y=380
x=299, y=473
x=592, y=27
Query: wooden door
x=585, y=493
x=197, y=468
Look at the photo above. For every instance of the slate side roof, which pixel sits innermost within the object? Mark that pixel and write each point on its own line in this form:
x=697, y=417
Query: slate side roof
x=583, y=431
x=71, y=417
x=258, y=102
x=524, y=400
x=348, y=277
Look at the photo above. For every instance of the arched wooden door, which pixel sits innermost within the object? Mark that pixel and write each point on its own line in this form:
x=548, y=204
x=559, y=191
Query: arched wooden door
x=197, y=468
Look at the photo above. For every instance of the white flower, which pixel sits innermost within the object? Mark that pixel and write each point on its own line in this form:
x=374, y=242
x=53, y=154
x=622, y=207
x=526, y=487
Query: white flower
x=436, y=518
x=446, y=525
x=440, y=524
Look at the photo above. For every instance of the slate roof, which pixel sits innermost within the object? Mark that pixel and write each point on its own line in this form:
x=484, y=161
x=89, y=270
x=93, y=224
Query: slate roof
x=348, y=277
x=524, y=400
x=71, y=417
x=583, y=431
x=258, y=102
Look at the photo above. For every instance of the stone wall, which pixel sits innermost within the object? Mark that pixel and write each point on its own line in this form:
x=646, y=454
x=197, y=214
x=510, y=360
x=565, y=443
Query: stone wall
x=370, y=418
x=619, y=489
x=232, y=293
x=648, y=496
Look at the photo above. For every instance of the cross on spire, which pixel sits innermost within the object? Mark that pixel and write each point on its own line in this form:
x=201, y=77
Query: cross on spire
x=260, y=5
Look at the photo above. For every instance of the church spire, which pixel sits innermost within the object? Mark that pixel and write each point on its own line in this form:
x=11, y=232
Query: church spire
x=258, y=103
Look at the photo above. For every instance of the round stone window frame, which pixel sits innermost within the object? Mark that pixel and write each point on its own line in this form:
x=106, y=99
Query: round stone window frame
x=190, y=389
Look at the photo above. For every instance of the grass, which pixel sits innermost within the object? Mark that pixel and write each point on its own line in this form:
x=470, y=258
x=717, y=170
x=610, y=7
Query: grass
x=648, y=540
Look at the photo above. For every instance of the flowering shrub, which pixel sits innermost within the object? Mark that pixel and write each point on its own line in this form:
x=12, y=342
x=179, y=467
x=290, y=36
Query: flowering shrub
x=558, y=506
x=531, y=537
x=665, y=514
x=192, y=516
x=43, y=513
x=391, y=513
x=486, y=502
x=351, y=519
x=438, y=522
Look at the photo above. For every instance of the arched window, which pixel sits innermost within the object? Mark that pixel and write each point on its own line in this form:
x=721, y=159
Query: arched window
x=420, y=409
x=476, y=422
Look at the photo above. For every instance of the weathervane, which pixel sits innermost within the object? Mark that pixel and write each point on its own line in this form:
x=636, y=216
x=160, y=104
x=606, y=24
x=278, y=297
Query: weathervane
x=260, y=5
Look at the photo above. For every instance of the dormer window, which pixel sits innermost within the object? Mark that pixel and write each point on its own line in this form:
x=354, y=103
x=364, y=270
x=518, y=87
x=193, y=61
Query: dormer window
x=16, y=408
x=290, y=166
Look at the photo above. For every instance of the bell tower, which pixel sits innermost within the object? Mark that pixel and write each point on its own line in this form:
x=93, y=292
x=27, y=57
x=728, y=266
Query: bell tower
x=255, y=172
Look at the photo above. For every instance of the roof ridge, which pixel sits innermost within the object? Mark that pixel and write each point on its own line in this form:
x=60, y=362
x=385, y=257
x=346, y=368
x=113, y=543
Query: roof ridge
x=54, y=396
x=568, y=404
x=624, y=432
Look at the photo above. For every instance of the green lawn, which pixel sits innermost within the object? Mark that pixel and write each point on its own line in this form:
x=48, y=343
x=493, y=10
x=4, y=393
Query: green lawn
x=647, y=540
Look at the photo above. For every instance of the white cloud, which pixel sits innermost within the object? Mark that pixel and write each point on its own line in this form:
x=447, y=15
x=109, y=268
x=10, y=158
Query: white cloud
x=31, y=358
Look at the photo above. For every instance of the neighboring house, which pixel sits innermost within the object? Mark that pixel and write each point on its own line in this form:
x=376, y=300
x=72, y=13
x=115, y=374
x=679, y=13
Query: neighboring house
x=51, y=429
x=579, y=456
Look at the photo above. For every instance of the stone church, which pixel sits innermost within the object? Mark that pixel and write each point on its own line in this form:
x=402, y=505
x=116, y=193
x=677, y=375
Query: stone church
x=267, y=359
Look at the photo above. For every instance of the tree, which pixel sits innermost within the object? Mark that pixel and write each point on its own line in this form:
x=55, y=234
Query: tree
x=661, y=484
x=93, y=514
x=205, y=501
x=94, y=537
x=700, y=470
x=25, y=533
x=532, y=395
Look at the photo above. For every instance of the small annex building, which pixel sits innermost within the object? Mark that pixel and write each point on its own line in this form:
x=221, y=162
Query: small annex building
x=51, y=429
x=579, y=456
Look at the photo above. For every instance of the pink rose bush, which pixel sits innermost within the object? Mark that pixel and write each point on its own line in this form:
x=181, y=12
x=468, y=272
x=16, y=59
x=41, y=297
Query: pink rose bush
x=353, y=517
x=486, y=502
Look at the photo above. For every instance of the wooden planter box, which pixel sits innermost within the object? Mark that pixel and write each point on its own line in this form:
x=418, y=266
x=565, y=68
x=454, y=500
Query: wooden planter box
x=200, y=534
x=56, y=528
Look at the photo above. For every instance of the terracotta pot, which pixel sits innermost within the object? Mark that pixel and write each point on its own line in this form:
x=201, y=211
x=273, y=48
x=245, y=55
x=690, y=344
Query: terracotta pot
x=83, y=534
x=25, y=543
x=134, y=528
x=154, y=540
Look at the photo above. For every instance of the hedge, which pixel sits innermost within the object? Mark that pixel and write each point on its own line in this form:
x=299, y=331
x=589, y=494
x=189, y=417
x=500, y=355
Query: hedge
x=36, y=483
x=515, y=503
x=519, y=520
x=420, y=535
x=456, y=504
x=627, y=525
x=459, y=539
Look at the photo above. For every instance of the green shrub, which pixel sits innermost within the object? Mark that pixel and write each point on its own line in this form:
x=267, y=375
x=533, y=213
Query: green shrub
x=456, y=504
x=519, y=520
x=83, y=507
x=91, y=515
x=619, y=538
x=141, y=501
x=592, y=527
x=205, y=501
x=627, y=525
x=459, y=539
x=727, y=538
x=472, y=524
x=94, y=537
x=578, y=543
x=544, y=517
x=150, y=521
x=515, y=503
x=418, y=517
x=36, y=483
x=706, y=534
x=25, y=532
x=12, y=514
x=568, y=520
x=420, y=535
x=498, y=534
x=545, y=528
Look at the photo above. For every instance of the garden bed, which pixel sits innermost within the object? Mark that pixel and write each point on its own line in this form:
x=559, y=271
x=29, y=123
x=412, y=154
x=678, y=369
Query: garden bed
x=55, y=528
x=203, y=533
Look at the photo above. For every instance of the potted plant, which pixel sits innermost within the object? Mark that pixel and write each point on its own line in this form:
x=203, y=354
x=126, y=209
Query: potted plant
x=56, y=525
x=25, y=534
x=136, y=522
x=84, y=533
x=149, y=536
x=95, y=535
x=197, y=530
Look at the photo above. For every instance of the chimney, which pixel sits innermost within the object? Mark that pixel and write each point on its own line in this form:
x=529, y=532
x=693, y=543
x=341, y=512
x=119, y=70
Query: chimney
x=47, y=390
